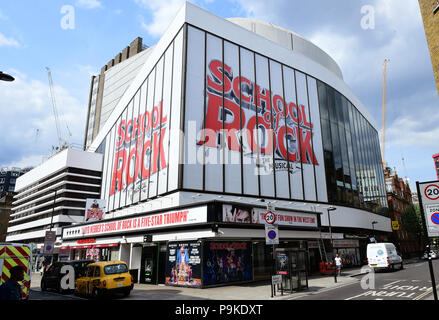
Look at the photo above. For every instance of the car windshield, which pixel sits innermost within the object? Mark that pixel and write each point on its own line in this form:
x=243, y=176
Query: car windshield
x=115, y=268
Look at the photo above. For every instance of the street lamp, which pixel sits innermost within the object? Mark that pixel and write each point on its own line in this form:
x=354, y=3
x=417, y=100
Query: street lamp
x=330, y=234
x=373, y=228
x=6, y=77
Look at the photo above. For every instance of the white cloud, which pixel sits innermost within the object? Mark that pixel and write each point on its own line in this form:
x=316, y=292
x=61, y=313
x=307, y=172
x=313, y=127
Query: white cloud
x=27, y=161
x=8, y=42
x=88, y=4
x=27, y=118
x=162, y=13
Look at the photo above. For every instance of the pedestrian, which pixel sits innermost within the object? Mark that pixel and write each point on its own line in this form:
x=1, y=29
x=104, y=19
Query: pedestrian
x=338, y=264
x=11, y=289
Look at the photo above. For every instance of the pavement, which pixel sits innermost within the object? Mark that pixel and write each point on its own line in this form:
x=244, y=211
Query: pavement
x=249, y=291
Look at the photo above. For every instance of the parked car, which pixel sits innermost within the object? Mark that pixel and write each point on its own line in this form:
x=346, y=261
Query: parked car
x=433, y=253
x=51, y=279
x=104, y=278
x=383, y=256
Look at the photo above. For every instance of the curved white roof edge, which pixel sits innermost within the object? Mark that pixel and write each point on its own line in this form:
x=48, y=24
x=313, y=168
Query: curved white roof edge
x=198, y=17
x=290, y=40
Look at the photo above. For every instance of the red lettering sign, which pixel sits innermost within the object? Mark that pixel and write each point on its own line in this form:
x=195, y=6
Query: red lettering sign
x=136, y=157
x=278, y=125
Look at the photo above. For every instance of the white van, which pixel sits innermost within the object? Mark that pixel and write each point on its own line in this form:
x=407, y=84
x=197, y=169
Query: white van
x=383, y=255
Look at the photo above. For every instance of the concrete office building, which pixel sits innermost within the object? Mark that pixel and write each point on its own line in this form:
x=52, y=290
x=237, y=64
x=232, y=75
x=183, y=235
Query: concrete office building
x=224, y=117
x=52, y=195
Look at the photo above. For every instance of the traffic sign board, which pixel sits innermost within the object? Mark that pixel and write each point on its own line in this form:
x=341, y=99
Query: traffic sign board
x=435, y=218
x=432, y=192
x=270, y=217
x=271, y=234
x=432, y=219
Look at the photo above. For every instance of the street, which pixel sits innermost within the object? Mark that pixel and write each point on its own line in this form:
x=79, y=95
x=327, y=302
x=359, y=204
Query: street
x=411, y=283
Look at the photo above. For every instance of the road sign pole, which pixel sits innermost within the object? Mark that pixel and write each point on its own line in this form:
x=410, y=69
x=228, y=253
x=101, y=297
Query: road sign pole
x=427, y=239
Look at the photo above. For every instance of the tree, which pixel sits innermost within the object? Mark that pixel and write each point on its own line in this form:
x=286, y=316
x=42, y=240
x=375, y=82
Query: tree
x=412, y=223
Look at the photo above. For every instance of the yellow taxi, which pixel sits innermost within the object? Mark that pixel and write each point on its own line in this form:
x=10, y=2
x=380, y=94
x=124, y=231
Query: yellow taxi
x=105, y=277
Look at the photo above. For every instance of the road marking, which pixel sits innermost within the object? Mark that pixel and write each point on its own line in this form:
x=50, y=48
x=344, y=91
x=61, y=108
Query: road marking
x=426, y=293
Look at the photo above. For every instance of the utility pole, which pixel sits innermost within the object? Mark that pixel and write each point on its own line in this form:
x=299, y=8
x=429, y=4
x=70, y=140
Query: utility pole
x=383, y=145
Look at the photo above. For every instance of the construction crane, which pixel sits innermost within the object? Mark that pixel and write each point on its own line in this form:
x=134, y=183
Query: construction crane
x=383, y=145
x=62, y=143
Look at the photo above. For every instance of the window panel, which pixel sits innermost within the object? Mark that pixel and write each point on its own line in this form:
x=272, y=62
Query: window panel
x=292, y=151
x=126, y=148
x=109, y=172
x=264, y=131
x=279, y=116
x=118, y=162
x=143, y=118
x=305, y=138
x=157, y=117
x=175, y=115
x=247, y=92
x=194, y=109
x=147, y=139
x=133, y=161
x=232, y=122
x=319, y=164
x=214, y=151
x=164, y=122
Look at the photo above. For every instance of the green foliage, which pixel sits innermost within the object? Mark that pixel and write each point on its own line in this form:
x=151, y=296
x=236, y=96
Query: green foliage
x=411, y=221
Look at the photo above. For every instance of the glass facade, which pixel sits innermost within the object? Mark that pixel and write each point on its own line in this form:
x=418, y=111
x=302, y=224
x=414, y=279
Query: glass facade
x=252, y=126
x=353, y=167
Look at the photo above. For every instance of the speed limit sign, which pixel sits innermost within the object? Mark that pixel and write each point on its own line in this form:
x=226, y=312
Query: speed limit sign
x=432, y=192
x=270, y=217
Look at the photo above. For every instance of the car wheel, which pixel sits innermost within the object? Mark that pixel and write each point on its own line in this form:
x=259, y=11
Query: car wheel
x=127, y=293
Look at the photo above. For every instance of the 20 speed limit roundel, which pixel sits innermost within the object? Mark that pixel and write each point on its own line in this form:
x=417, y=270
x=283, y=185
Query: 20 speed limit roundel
x=270, y=217
x=432, y=192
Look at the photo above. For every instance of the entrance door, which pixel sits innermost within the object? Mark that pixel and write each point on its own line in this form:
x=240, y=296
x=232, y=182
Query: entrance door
x=162, y=265
x=148, y=268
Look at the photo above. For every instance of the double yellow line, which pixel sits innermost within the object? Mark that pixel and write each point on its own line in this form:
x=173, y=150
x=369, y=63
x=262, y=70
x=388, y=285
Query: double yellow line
x=426, y=293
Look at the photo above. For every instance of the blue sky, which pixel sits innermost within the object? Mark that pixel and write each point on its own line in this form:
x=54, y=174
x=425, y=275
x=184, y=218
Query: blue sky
x=32, y=37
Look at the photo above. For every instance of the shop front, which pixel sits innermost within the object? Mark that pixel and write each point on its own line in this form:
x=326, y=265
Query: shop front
x=199, y=246
x=349, y=252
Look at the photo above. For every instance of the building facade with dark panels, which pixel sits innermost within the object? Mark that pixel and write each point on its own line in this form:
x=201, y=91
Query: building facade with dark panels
x=8, y=179
x=436, y=164
x=5, y=212
x=400, y=198
x=430, y=16
x=53, y=195
x=224, y=117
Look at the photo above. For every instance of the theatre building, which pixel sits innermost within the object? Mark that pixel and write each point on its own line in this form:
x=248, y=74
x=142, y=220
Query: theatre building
x=223, y=118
